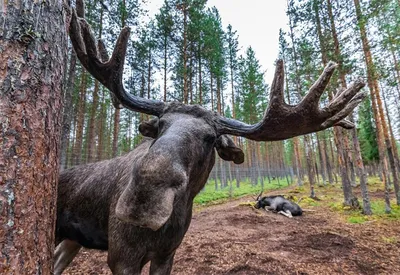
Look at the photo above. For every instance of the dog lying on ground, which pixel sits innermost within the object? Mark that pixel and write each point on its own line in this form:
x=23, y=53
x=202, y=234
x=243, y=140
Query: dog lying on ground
x=278, y=204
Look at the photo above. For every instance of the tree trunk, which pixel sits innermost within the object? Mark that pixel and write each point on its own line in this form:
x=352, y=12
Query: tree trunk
x=185, y=55
x=92, y=117
x=322, y=159
x=310, y=165
x=117, y=116
x=102, y=126
x=341, y=139
x=165, y=67
x=80, y=120
x=200, y=100
x=32, y=59
x=67, y=113
x=328, y=161
x=211, y=92
x=382, y=131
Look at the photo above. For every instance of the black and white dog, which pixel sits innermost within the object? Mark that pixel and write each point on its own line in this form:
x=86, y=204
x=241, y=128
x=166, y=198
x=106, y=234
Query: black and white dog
x=279, y=204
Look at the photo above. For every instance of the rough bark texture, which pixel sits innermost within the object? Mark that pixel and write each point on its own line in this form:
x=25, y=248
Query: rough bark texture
x=32, y=58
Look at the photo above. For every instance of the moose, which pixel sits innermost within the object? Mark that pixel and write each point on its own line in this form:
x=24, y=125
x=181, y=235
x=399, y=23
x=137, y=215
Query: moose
x=138, y=206
x=278, y=204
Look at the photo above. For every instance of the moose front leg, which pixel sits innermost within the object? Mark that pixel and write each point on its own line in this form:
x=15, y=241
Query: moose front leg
x=286, y=213
x=269, y=208
x=64, y=254
x=162, y=265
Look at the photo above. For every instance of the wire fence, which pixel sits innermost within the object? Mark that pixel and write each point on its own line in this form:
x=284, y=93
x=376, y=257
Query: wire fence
x=226, y=174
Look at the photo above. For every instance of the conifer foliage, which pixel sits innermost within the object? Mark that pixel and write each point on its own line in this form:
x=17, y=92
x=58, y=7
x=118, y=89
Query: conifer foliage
x=185, y=53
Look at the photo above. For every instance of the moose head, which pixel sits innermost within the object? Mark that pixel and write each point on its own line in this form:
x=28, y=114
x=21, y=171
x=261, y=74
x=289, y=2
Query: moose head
x=181, y=154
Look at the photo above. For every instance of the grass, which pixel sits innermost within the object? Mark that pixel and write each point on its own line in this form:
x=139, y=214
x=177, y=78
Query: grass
x=211, y=196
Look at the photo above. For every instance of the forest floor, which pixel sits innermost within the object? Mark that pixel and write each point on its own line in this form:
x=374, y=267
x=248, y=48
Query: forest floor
x=235, y=238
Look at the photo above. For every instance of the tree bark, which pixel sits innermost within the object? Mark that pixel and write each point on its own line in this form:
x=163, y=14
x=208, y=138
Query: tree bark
x=32, y=59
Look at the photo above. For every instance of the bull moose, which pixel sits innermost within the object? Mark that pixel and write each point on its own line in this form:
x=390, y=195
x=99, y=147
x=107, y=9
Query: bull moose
x=139, y=206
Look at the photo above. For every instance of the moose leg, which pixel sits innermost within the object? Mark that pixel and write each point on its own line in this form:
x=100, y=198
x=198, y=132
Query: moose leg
x=286, y=213
x=64, y=254
x=124, y=259
x=125, y=268
x=269, y=208
x=162, y=265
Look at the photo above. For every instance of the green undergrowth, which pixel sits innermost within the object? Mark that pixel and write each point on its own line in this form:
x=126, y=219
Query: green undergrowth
x=209, y=195
x=378, y=210
x=355, y=216
x=331, y=196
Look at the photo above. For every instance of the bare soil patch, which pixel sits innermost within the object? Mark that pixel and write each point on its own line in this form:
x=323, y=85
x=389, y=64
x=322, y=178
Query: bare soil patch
x=234, y=239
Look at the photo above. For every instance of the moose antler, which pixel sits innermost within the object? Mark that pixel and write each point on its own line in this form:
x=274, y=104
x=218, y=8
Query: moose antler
x=259, y=195
x=282, y=121
x=109, y=71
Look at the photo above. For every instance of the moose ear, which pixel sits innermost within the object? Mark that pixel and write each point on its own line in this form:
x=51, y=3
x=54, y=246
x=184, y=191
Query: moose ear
x=227, y=150
x=149, y=128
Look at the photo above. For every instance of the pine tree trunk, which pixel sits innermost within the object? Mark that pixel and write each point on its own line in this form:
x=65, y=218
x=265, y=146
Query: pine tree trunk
x=211, y=92
x=185, y=55
x=341, y=139
x=67, y=110
x=298, y=161
x=32, y=59
x=165, y=67
x=92, y=117
x=327, y=159
x=322, y=159
x=117, y=117
x=219, y=110
x=394, y=158
x=349, y=198
x=382, y=132
x=102, y=123
x=310, y=165
x=200, y=100
x=80, y=120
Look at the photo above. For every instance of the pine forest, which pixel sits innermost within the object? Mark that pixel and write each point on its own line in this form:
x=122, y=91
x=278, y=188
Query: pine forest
x=185, y=54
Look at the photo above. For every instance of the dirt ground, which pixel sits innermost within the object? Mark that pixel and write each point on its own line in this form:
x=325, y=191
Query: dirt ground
x=234, y=239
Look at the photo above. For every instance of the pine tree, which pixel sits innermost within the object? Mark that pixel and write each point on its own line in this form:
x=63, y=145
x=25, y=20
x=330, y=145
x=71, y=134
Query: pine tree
x=33, y=61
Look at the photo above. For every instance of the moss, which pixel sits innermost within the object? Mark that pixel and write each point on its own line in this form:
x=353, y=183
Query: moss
x=357, y=219
x=307, y=201
x=390, y=240
x=248, y=203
